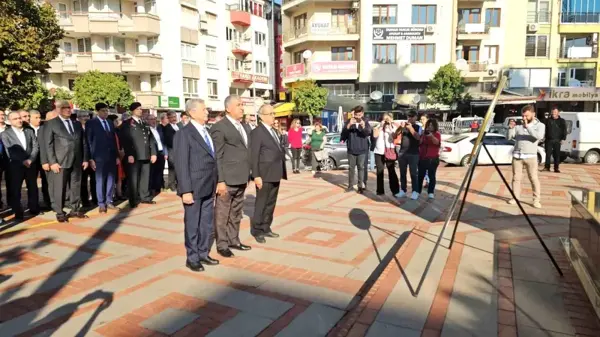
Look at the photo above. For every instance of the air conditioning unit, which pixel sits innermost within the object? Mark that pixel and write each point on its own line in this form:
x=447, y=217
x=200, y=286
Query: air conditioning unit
x=355, y=5
x=492, y=72
x=532, y=27
x=430, y=29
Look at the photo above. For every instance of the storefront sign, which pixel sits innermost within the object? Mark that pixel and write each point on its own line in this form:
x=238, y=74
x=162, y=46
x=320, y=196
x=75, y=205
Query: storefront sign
x=294, y=70
x=322, y=27
x=398, y=33
x=168, y=102
x=569, y=94
x=334, y=67
x=245, y=77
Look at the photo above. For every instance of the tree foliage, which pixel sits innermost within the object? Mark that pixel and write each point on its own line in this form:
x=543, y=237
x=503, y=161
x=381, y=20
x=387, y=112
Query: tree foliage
x=447, y=86
x=29, y=37
x=96, y=87
x=61, y=94
x=310, y=98
x=38, y=98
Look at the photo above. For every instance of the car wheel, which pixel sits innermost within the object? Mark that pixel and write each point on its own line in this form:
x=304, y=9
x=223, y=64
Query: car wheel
x=465, y=160
x=591, y=157
x=329, y=163
x=539, y=156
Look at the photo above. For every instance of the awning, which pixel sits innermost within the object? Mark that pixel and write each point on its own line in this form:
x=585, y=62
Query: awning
x=486, y=100
x=284, y=109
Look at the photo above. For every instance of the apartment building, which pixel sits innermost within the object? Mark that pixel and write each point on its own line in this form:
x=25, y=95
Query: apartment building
x=249, y=61
x=321, y=42
x=109, y=36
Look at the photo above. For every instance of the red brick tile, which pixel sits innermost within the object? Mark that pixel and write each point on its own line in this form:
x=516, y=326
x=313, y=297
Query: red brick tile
x=431, y=333
x=507, y=317
x=506, y=304
x=507, y=331
x=504, y=272
x=358, y=330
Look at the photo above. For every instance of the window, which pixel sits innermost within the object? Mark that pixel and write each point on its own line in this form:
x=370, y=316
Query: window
x=211, y=57
x=71, y=82
x=575, y=77
x=211, y=24
x=536, y=46
x=62, y=11
x=233, y=34
x=342, y=53
x=411, y=87
x=422, y=53
x=384, y=54
x=297, y=57
x=339, y=89
x=384, y=14
x=155, y=83
x=213, y=89
x=190, y=87
x=84, y=45
x=238, y=65
x=490, y=53
x=424, y=14
x=152, y=42
x=260, y=39
x=81, y=6
x=492, y=17
x=150, y=6
x=118, y=44
x=261, y=67
x=529, y=78
x=300, y=21
x=188, y=52
x=98, y=5
x=469, y=15
x=341, y=18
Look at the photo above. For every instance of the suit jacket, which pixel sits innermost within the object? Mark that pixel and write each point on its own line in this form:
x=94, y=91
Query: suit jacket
x=233, y=156
x=267, y=156
x=169, y=135
x=41, y=139
x=67, y=150
x=195, y=164
x=15, y=151
x=102, y=144
x=137, y=140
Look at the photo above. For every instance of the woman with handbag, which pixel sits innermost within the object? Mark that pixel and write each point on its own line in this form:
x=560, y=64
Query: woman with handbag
x=295, y=140
x=385, y=155
x=317, y=142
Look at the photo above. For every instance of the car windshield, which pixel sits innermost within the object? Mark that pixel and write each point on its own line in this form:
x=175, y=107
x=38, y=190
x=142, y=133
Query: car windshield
x=456, y=139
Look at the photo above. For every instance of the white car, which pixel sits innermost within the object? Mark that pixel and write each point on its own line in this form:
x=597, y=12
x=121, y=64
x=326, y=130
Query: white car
x=457, y=149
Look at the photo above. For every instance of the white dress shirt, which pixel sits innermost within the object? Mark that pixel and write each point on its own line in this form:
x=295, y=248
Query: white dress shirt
x=21, y=136
x=239, y=127
x=204, y=133
x=157, y=138
x=35, y=129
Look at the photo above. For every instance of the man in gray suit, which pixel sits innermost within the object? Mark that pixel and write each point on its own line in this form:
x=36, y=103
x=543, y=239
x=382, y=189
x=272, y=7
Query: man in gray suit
x=22, y=150
x=232, y=148
x=67, y=155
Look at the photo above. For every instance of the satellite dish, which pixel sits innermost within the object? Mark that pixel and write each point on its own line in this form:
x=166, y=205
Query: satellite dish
x=376, y=95
x=416, y=99
x=461, y=64
x=307, y=54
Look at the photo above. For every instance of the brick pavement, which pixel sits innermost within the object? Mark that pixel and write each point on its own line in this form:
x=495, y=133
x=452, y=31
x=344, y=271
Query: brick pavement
x=345, y=265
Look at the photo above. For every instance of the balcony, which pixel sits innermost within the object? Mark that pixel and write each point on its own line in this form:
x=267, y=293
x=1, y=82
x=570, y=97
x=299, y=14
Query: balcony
x=148, y=99
x=473, y=31
x=247, y=78
x=106, y=62
x=331, y=70
x=568, y=54
x=106, y=22
x=480, y=70
x=241, y=48
x=238, y=16
x=331, y=33
x=541, y=17
x=580, y=17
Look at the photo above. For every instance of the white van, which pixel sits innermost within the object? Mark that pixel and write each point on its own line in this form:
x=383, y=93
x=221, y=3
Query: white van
x=583, y=140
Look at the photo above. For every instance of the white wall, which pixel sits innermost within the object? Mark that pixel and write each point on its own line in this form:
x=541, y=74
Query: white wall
x=219, y=72
x=260, y=53
x=403, y=70
x=169, y=46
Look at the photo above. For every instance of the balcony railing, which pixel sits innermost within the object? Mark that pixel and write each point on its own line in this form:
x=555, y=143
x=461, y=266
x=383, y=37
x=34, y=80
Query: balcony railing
x=583, y=52
x=580, y=17
x=539, y=17
x=477, y=66
x=297, y=33
x=572, y=82
x=473, y=28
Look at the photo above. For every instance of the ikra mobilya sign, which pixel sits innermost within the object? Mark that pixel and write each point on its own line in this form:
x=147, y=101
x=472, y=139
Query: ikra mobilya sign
x=569, y=94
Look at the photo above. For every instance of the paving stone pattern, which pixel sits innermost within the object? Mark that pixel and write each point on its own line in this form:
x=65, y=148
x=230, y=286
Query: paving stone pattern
x=345, y=265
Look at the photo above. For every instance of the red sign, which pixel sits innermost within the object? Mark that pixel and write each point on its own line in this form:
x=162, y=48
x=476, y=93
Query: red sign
x=334, y=67
x=245, y=77
x=294, y=70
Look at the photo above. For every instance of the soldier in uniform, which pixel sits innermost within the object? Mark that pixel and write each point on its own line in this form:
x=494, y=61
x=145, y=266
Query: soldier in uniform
x=140, y=152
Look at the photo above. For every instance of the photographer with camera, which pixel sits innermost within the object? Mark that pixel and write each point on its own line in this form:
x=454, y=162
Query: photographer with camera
x=356, y=136
x=385, y=154
x=429, y=156
x=408, y=154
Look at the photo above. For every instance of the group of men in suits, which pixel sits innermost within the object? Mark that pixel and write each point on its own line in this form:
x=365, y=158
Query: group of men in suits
x=213, y=170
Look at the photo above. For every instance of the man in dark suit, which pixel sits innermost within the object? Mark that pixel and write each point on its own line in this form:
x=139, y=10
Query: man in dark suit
x=157, y=168
x=197, y=171
x=100, y=135
x=268, y=168
x=22, y=149
x=88, y=175
x=43, y=157
x=169, y=134
x=140, y=151
x=35, y=122
x=67, y=153
x=232, y=144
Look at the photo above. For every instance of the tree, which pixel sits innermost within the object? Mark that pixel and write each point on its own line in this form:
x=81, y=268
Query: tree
x=310, y=98
x=29, y=39
x=96, y=87
x=60, y=94
x=38, y=98
x=447, y=86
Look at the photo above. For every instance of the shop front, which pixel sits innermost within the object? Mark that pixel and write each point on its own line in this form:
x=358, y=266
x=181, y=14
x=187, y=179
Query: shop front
x=568, y=99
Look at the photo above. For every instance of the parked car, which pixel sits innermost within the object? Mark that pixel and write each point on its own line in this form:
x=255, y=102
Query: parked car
x=338, y=154
x=457, y=149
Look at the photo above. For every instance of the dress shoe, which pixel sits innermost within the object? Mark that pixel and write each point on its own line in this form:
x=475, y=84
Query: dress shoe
x=148, y=202
x=260, y=239
x=19, y=216
x=77, y=214
x=194, y=266
x=546, y=169
x=225, y=252
x=102, y=209
x=62, y=218
x=241, y=246
x=209, y=261
x=111, y=206
x=556, y=171
x=271, y=235
x=133, y=205
x=34, y=212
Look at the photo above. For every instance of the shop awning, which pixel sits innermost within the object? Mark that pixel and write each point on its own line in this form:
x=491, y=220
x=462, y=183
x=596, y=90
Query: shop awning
x=284, y=109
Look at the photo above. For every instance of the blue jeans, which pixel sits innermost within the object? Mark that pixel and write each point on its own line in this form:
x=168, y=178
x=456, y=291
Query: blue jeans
x=428, y=166
x=371, y=161
x=410, y=162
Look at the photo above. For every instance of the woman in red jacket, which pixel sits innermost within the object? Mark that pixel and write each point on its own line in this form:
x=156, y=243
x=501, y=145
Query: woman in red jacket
x=429, y=156
x=295, y=140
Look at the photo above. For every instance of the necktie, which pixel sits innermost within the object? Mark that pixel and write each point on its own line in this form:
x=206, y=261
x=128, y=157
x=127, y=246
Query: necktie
x=70, y=127
x=105, y=125
x=275, y=136
x=241, y=131
x=207, y=140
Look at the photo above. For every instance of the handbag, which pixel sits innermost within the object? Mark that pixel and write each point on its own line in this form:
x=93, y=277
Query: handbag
x=320, y=155
x=389, y=153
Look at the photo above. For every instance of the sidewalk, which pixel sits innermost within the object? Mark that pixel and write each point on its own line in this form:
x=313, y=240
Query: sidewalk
x=345, y=265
